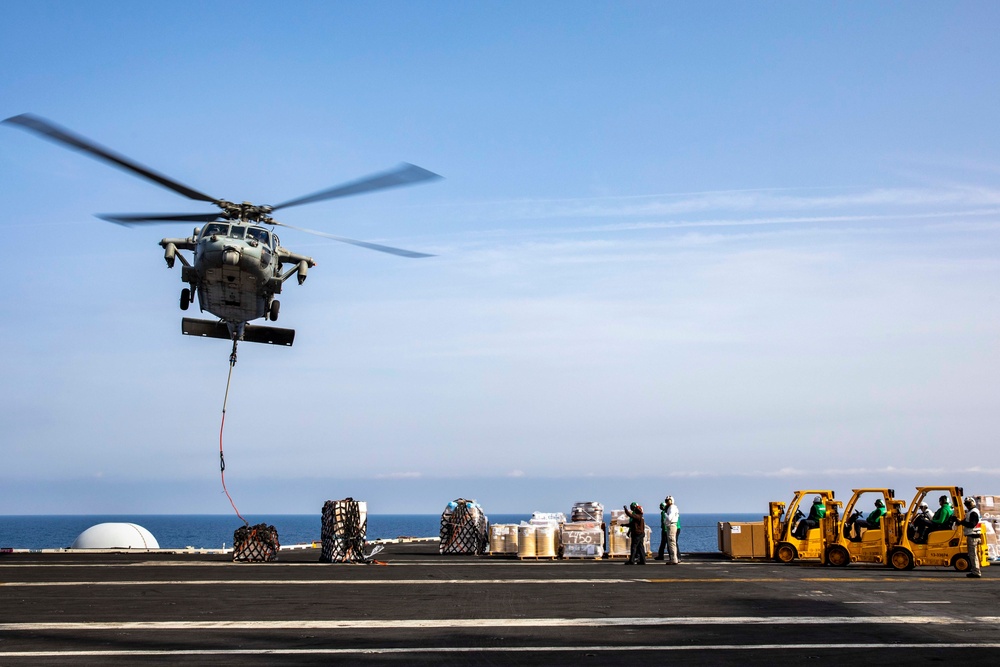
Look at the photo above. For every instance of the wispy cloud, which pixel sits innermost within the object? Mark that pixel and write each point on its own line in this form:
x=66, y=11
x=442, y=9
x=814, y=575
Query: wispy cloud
x=956, y=198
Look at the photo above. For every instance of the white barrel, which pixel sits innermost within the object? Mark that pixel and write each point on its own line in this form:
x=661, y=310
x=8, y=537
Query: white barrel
x=526, y=541
x=498, y=535
x=510, y=539
x=545, y=541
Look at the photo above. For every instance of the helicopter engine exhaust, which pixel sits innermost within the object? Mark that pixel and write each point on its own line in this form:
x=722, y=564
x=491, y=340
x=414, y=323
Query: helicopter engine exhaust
x=170, y=254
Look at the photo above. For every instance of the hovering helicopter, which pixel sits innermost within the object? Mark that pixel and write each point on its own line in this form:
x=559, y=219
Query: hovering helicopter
x=239, y=265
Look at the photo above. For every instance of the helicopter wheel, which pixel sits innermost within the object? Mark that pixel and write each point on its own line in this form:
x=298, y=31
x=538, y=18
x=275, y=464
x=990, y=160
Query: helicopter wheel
x=185, y=298
x=272, y=312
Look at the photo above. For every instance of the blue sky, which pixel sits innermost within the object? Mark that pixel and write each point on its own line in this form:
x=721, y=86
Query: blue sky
x=698, y=248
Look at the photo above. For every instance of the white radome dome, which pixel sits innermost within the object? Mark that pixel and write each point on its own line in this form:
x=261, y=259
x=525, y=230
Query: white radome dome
x=116, y=536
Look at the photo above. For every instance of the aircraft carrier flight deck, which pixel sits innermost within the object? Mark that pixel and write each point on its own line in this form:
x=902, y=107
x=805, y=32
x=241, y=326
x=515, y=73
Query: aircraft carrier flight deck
x=425, y=608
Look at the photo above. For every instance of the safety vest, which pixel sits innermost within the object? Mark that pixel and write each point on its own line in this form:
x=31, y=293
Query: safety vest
x=973, y=529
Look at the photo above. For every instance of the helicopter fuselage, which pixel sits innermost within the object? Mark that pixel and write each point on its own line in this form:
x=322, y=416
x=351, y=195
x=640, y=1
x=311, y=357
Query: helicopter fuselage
x=238, y=262
x=237, y=270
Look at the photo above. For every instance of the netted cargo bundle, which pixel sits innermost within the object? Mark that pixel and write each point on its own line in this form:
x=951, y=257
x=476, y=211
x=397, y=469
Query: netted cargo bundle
x=582, y=539
x=345, y=526
x=587, y=511
x=255, y=544
x=464, y=528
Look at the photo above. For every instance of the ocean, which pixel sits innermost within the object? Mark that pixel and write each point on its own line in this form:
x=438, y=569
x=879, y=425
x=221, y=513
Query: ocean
x=176, y=531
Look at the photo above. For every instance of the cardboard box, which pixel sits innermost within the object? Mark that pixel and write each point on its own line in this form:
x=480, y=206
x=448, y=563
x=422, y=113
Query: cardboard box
x=989, y=506
x=742, y=539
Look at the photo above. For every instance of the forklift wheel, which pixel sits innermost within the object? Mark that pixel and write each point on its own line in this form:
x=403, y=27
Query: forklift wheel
x=961, y=563
x=838, y=556
x=901, y=559
x=785, y=553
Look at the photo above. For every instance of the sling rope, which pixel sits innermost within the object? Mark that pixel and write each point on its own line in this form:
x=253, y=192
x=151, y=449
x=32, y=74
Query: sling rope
x=222, y=457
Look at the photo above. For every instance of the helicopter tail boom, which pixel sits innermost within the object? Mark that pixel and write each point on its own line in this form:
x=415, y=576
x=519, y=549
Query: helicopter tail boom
x=251, y=333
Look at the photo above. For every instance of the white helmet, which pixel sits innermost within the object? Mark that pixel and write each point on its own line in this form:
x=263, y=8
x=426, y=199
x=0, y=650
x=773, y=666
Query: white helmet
x=817, y=499
x=923, y=505
x=970, y=502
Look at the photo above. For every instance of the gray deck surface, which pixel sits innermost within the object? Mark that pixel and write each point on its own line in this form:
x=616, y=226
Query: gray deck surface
x=135, y=608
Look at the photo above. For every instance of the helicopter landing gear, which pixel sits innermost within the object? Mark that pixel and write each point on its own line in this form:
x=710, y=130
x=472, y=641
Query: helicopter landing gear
x=185, y=298
x=272, y=312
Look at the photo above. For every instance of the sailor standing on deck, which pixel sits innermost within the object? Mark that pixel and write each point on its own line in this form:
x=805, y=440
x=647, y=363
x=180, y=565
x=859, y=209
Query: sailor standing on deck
x=636, y=534
x=971, y=526
x=670, y=524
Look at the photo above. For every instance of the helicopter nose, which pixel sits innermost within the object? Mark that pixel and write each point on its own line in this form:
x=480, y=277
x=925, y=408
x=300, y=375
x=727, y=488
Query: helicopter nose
x=231, y=256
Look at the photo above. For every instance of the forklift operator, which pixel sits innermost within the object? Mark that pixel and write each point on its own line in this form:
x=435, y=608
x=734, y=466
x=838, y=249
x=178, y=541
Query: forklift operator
x=924, y=524
x=816, y=512
x=942, y=519
x=921, y=522
x=874, y=520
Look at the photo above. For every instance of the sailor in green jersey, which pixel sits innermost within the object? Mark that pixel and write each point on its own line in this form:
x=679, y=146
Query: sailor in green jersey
x=816, y=512
x=942, y=518
x=874, y=519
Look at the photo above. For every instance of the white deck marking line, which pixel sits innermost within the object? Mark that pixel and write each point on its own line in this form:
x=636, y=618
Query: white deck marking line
x=456, y=623
x=927, y=602
x=486, y=649
x=421, y=582
x=312, y=582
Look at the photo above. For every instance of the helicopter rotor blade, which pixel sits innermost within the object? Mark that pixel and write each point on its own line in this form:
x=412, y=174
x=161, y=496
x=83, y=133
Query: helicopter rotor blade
x=63, y=136
x=363, y=244
x=128, y=220
x=404, y=174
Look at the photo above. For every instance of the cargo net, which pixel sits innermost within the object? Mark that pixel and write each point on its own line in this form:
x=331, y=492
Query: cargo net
x=343, y=532
x=464, y=528
x=255, y=544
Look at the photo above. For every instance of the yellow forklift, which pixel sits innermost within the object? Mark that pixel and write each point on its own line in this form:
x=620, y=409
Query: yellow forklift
x=857, y=544
x=943, y=545
x=788, y=538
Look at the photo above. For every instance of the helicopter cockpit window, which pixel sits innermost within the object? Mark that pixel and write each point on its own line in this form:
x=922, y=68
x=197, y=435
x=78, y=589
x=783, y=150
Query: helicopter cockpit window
x=237, y=231
x=219, y=228
x=259, y=235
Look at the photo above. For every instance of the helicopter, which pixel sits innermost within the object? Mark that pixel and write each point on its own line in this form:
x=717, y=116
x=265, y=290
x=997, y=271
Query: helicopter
x=238, y=265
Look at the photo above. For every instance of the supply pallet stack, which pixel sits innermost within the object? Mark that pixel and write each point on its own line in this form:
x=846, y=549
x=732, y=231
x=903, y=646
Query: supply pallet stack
x=503, y=540
x=584, y=536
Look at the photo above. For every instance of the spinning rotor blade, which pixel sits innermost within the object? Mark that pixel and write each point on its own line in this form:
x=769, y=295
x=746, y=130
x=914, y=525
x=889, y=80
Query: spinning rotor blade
x=405, y=174
x=60, y=135
x=364, y=244
x=156, y=218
